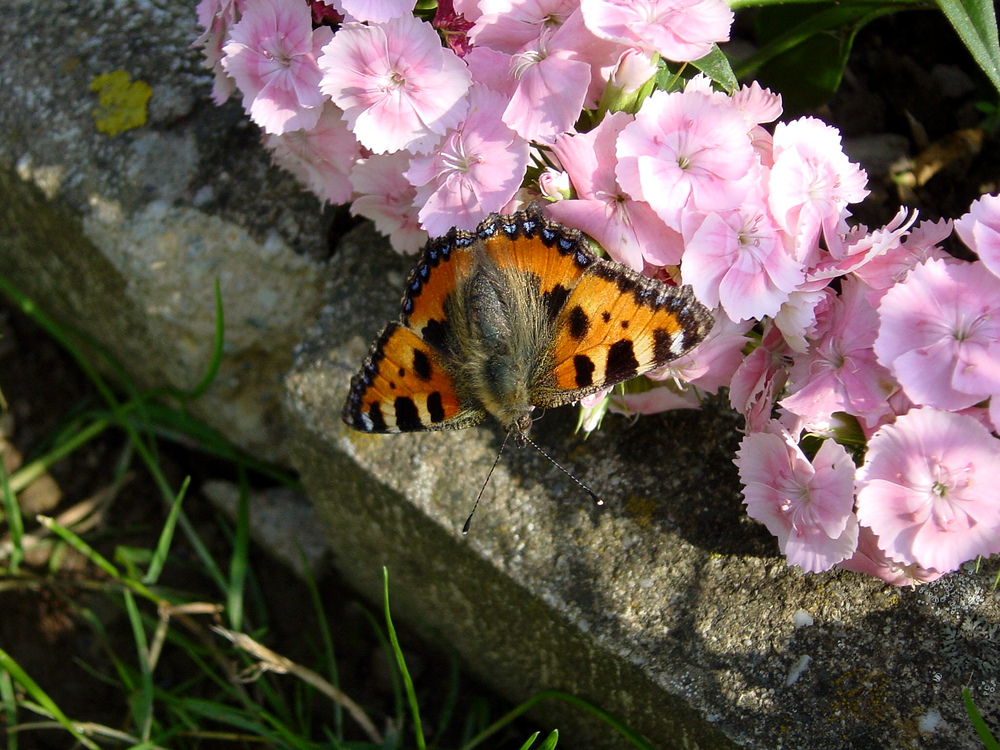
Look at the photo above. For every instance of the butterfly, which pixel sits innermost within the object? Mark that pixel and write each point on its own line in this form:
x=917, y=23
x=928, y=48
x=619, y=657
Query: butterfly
x=518, y=315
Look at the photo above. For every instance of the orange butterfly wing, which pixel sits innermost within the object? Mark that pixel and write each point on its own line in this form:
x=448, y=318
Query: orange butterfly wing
x=403, y=388
x=617, y=324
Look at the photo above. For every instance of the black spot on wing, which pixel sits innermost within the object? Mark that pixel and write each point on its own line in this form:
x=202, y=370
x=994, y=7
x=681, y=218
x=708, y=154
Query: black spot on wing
x=421, y=365
x=435, y=333
x=375, y=415
x=554, y=300
x=407, y=414
x=435, y=408
x=579, y=323
x=662, y=341
x=584, y=367
x=622, y=363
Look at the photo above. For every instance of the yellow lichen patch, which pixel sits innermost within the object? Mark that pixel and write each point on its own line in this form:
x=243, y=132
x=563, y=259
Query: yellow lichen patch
x=121, y=102
x=641, y=510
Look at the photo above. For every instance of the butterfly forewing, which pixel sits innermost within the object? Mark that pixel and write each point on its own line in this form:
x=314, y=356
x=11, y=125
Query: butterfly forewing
x=528, y=243
x=617, y=324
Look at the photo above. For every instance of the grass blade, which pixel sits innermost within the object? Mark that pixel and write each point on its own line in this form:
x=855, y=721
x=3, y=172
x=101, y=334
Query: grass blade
x=7, y=664
x=166, y=537
x=15, y=522
x=220, y=338
x=989, y=741
x=630, y=736
x=411, y=694
x=142, y=704
x=329, y=654
x=239, y=563
x=9, y=707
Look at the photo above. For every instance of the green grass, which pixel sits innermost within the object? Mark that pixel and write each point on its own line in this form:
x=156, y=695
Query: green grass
x=225, y=685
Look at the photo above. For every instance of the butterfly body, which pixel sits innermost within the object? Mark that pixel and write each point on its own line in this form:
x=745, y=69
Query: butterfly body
x=516, y=315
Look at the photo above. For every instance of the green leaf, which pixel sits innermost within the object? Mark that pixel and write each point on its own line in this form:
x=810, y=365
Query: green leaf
x=804, y=48
x=716, y=66
x=975, y=22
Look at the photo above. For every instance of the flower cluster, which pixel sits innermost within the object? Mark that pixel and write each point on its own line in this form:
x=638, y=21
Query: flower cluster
x=864, y=362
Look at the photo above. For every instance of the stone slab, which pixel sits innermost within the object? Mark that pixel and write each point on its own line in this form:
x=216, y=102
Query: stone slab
x=667, y=606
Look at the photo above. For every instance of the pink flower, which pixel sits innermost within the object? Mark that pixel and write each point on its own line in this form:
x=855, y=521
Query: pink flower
x=272, y=56
x=217, y=17
x=839, y=372
x=468, y=8
x=374, y=11
x=928, y=489
x=980, y=230
x=509, y=25
x=737, y=258
x=808, y=506
x=633, y=70
x=321, y=158
x=491, y=68
x=553, y=57
x=386, y=197
x=653, y=401
x=892, y=265
x=628, y=230
x=475, y=171
x=758, y=105
x=398, y=87
x=685, y=151
x=797, y=317
x=811, y=183
x=758, y=380
x=940, y=333
x=680, y=30
x=859, y=248
x=870, y=559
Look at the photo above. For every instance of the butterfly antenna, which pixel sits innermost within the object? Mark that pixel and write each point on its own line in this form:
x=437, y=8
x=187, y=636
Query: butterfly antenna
x=564, y=471
x=468, y=521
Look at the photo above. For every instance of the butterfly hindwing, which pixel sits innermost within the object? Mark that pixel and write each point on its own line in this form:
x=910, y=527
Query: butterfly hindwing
x=403, y=388
x=617, y=324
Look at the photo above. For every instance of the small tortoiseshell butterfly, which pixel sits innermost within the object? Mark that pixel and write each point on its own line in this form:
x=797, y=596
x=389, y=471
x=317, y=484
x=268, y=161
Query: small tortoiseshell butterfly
x=516, y=315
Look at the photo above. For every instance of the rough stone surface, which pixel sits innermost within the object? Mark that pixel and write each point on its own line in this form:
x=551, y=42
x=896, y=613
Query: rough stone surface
x=124, y=236
x=666, y=606
x=282, y=521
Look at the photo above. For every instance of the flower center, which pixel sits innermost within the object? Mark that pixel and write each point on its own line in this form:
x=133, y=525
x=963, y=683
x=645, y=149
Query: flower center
x=455, y=158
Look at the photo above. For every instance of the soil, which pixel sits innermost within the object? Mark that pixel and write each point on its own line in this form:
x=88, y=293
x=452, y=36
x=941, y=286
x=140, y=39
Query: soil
x=910, y=88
